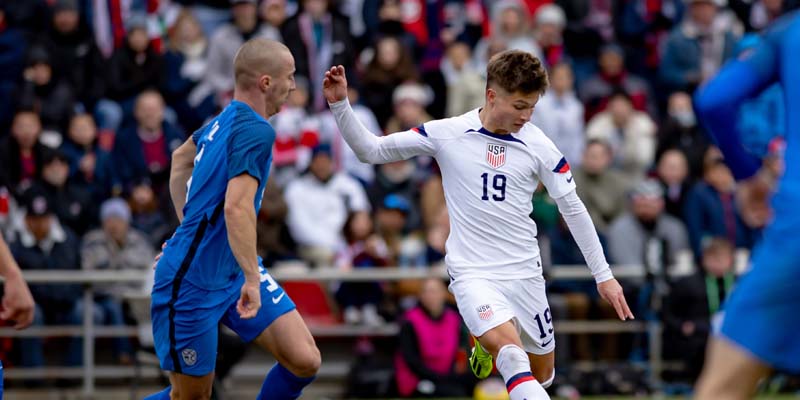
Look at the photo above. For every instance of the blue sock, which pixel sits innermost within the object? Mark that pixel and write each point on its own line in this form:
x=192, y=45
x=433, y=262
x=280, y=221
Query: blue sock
x=162, y=395
x=281, y=384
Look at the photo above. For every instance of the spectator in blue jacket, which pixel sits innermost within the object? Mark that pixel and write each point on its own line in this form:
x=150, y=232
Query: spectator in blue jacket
x=143, y=149
x=697, y=47
x=90, y=165
x=711, y=210
x=185, y=65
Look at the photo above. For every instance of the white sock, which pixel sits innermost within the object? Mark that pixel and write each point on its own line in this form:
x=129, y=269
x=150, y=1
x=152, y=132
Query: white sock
x=515, y=367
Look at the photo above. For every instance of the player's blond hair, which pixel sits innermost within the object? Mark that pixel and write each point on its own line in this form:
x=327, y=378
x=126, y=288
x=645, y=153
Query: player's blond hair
x=516, y=71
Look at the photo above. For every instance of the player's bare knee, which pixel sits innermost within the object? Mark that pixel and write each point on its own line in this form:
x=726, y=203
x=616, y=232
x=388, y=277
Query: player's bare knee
x=306, y=364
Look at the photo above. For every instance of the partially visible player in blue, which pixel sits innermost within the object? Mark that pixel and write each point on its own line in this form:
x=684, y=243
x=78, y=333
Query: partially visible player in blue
x=761, y=323
x=209, y=271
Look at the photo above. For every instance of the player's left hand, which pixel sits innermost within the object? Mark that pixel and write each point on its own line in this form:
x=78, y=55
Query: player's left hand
x=17, y=303
x=159, y=255
x=334, y=85
x=250, y=299
x=611, y=292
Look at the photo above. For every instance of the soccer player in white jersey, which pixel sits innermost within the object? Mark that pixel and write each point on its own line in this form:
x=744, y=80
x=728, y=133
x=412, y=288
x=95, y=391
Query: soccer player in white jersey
x=491, y=160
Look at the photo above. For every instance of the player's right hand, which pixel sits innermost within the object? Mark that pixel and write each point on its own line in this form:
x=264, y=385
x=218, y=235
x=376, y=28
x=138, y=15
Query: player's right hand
x=250, y=299
x=334, y=85
x=17, y=303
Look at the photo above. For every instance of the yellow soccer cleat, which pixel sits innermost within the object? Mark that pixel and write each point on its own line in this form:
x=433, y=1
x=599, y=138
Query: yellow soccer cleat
x=480, y=361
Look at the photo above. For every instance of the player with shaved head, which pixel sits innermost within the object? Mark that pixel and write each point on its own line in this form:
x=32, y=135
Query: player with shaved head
x=209, y=271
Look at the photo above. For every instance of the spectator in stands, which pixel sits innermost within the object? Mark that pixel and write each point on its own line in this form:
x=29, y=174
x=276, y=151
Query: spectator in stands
x=643, y=28
x=646, y=235
x=601, y=186
x=465, y=84
x=21, y=153
x=673, y=172
x=390, y=66
x=224, y=42
x=147, y=213
x=185, y=65
x=72, y=204
x=431, y=348
x=697, y=47
x=319, y=202
x=692, y=303
x=273, y=12
x=510, y=24
x=90, y=166
x=681, y=131
x=710, y=209
x=40, y=242
x=12, y=46
x=318, y=37
x=630, y=133
x=274, y=243
x=406, y=248
x=143, y=149
x=559, y=114
x=597, y=91
x=296, y=133
x=210, y=13
x=344, y=157
x=133, y=68
x=409, y=100
x=362, y=249
x=116, y=246
x=757, y=15
x=549, y=34
x=44, y=92
x=386, y=18
x=402, y=178
x=74, y=53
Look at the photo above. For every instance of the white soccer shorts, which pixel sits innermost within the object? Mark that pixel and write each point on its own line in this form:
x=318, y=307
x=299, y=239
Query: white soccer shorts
x=485, y=304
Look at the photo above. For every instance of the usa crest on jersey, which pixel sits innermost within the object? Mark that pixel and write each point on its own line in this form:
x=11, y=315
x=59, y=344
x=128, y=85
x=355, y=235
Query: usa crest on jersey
x=495, y=154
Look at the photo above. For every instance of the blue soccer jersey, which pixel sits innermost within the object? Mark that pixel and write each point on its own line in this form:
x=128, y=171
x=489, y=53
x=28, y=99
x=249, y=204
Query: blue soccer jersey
x=198, y=280
x=761, y=314
x=238, y=141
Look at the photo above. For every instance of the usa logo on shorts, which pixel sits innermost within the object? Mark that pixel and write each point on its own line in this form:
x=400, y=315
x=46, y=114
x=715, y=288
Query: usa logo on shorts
x=495, y=154
x=485, y=312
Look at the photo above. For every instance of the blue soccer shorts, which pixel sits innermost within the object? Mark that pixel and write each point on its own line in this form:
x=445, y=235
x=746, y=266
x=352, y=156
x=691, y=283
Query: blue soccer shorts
x=186, y=320
x=763, y=313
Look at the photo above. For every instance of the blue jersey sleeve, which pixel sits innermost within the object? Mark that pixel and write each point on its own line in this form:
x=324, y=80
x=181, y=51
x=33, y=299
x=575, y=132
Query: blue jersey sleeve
x=719, y=102
x=249, y=149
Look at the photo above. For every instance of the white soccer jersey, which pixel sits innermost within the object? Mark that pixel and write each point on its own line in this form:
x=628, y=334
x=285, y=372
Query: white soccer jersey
x=488, y=180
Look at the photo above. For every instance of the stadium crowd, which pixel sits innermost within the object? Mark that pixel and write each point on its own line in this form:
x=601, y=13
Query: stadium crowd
x=96, y=94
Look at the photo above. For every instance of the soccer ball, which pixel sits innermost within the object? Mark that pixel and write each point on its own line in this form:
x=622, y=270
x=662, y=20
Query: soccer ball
x=490, y=389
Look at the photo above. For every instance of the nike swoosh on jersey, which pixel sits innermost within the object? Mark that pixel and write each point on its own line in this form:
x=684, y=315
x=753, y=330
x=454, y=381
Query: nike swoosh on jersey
x=547, y=342
x=569, y=179
x=275, y=300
